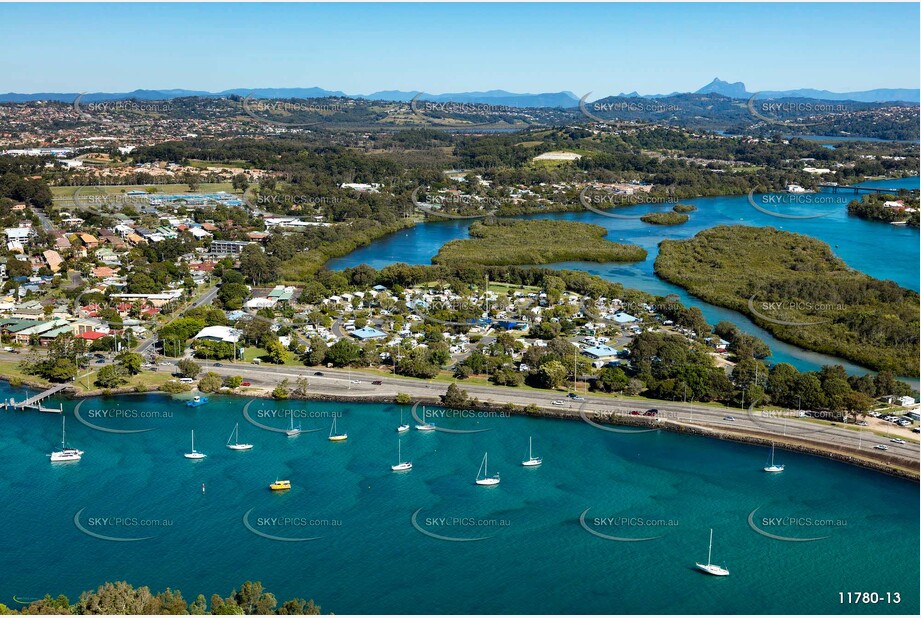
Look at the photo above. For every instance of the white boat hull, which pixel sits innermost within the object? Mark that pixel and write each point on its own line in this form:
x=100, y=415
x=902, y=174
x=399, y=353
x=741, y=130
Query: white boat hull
x=341, y=438
x=426, y=427
x=195, y=455
x=402, y=467
x=293, y=433
x=402, y=428
x=66, y=455
x=239, y=447
x=773, y=468
x=487, y=482
x=534, y=461
x=712, y=569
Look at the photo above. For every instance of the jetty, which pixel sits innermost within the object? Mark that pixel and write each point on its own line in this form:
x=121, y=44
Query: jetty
x=35, y=402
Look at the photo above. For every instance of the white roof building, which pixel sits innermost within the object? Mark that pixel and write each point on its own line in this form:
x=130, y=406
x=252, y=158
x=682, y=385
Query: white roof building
x=219, y=333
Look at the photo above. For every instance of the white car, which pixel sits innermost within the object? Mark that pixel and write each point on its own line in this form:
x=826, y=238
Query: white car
x=881, y=447
x=897, y=441
x=7, y=349
x=558, y=402
x=729, y=418
x=356, y=381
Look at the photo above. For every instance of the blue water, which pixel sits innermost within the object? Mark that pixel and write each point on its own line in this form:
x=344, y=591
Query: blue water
x=880, y=250
x=370, y=559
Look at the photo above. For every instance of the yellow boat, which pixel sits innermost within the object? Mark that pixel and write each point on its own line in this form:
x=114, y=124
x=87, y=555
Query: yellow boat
x=280, y=485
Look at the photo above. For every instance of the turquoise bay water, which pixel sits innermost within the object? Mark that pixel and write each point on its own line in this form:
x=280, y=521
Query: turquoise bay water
x=880, y=250
x=369, y=557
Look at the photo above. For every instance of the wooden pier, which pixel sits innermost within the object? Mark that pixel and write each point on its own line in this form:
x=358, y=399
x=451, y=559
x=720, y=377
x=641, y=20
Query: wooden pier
x=35, y=402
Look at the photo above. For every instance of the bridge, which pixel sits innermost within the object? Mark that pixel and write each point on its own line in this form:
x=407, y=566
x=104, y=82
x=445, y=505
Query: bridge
x=856, y=189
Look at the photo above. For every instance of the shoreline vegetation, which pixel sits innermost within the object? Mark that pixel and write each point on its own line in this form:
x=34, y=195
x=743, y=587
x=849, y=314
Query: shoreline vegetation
x=665, y=218
x=901, y=468
x=512, y=243
x=797, y=289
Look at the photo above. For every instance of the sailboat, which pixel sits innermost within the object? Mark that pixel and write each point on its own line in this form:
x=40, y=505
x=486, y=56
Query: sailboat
x=773, y=467
x=194, y=454
x=403, y=426
x=293, y=431
x=710, y=568
x=484, y=468
x=425, y=426
x=65, y=454
x=235, y=436
x=401, y=466
x=336, y=437
x=531, y=460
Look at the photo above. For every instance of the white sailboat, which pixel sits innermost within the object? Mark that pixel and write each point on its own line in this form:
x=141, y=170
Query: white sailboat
x=710, y=568
x=773, y=467
x=293, y=431
x=484, y=469
x=425, y=426
x=65, y=454
x=531, y=460
x=401, y=466
x=194, y=454
x=235, y=436
x=336, y=437
x=403, y=426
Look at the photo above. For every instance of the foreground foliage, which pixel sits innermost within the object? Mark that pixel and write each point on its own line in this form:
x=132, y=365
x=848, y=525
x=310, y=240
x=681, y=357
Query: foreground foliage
x=123, y=598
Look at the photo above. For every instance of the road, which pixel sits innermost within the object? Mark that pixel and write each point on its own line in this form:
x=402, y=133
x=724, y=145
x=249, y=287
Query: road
x=337, y=383
x=204, y=299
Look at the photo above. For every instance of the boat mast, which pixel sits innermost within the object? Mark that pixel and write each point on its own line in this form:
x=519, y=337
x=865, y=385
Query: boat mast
x=710, y=549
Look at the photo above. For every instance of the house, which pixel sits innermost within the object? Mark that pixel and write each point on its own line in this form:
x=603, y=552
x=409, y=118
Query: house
x=89, y=241
x=53, y=259
x=624, y=318
x=367, y=332
x=600, y=352
x=227, y=247
x=906, y=401
x=218, y=333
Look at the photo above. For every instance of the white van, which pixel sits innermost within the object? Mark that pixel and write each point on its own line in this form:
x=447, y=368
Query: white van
x=186, y=380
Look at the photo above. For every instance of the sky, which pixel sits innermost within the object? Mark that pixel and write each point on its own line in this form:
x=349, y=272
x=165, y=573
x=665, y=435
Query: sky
x=437, y=48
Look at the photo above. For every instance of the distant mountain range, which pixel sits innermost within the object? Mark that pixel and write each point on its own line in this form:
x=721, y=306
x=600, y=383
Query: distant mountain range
x=564, y=99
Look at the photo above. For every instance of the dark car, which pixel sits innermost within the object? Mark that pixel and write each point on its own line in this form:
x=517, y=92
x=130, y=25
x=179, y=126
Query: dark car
x=317, y=373
x=652, y=411
x=377, y=382
x=218, y=364
x=100, y=361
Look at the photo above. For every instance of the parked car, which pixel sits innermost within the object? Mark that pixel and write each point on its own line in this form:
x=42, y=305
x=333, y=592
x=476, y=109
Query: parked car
x=100, y=361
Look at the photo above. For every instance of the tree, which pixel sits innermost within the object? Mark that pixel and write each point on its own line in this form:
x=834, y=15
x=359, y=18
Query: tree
x=343, y=352
x=455, y=396
x=256, y=265
x=111, y=376
x=210, y=383
x=282, y=391
x=188, y=368
x=233, y=381
x=131, y=362
x=403, y=399
x=275, y=351
x=611, y=380
x=552, y=374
